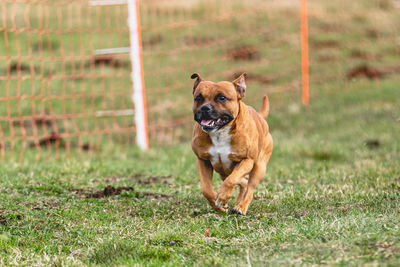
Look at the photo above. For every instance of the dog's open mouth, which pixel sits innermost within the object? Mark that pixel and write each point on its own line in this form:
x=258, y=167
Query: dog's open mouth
x=209, y=124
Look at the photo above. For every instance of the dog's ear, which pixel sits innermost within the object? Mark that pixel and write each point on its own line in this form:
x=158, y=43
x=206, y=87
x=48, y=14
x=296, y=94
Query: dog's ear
x=198, y=80
x=240, y=84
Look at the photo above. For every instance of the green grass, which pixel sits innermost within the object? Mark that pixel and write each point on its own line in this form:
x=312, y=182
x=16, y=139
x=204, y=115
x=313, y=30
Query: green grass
x=327, y=198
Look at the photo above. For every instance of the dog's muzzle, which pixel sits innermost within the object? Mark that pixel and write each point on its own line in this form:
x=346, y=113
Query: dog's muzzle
x=210, y=119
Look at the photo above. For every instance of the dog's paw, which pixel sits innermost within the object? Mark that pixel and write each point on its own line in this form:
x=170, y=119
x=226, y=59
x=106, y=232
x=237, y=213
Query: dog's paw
x=238, y=210
x=223, y=197
x=221, y=209
x=219, y=205
x=222, y=202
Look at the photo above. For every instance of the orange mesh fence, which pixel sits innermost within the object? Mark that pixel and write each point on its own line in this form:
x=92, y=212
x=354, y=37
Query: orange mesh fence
x=65, y=69
x=59, y=92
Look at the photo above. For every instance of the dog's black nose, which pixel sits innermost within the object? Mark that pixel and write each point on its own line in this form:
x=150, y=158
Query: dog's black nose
x=207, y=107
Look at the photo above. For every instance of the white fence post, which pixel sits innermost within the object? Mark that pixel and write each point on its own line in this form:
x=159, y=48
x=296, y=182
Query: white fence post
x=138, y=95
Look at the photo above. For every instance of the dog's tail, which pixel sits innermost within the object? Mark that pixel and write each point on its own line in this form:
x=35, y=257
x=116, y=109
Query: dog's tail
x=265, y=107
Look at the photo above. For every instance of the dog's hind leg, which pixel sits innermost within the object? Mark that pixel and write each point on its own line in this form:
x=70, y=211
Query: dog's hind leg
x=242, y=189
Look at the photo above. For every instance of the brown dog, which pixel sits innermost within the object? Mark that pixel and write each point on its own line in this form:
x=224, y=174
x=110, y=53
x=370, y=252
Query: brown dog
x=230, y=138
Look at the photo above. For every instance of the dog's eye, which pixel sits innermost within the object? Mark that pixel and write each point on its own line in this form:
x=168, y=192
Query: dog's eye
x=221, y=98
x=199, y=98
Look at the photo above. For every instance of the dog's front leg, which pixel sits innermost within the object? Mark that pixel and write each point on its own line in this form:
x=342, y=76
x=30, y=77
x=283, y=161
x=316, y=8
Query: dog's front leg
x=255, y=177
x=225, y=191
x=206, y=172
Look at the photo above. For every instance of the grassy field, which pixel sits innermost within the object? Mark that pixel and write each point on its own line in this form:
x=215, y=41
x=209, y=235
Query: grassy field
x=331, y=196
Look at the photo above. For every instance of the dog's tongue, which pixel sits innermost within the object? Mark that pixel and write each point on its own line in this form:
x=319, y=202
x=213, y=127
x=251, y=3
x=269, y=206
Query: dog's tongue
x=206, y=122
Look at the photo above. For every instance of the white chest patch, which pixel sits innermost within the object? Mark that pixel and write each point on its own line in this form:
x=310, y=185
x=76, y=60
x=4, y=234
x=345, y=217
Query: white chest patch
x=221, y=147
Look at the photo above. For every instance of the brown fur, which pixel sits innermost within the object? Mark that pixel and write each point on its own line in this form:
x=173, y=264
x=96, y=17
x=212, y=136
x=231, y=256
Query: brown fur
x=250, y=146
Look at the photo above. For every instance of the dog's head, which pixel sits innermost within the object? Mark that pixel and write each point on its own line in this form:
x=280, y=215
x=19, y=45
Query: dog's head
x=216, y=104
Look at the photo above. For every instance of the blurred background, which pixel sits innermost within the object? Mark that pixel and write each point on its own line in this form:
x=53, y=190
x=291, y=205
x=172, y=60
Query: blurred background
x=65, y=83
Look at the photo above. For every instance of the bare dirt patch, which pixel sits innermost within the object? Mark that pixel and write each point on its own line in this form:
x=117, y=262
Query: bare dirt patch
x=18, y=67
x=372, y=143
x=141, y=179
x=371, y=73
x=365, y=71
x=107, y=60
x=110, y=191
x=53, y=138
x=44, y=120
x=103, y=60
x=244, y=53
x=86, y=147
x=7, y=216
